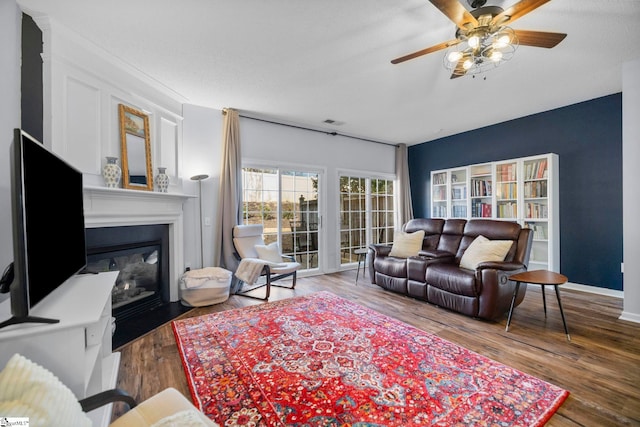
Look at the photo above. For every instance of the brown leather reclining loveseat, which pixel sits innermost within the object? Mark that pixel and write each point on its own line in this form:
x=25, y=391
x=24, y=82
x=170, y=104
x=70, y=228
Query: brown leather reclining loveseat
x=435, y=275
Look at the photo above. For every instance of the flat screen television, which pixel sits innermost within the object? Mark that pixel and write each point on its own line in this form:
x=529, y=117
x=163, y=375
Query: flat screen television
x=48, y=226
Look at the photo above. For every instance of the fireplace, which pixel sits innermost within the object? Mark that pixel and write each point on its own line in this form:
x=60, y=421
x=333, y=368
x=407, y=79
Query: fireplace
x=115, y=207
x=141, y=255
x=112, y=208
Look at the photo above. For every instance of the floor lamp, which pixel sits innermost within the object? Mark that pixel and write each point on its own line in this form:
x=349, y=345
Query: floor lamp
x=199, y=178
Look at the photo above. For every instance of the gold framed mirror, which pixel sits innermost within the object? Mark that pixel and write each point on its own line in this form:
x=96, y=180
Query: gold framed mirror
x=137, y=172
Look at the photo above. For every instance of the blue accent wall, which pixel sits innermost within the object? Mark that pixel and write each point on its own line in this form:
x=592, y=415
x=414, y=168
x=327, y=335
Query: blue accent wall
x=588, y=140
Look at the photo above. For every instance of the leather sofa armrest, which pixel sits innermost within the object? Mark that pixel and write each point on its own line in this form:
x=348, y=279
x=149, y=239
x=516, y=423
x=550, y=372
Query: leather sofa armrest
x=380, y=250
x=500, y=265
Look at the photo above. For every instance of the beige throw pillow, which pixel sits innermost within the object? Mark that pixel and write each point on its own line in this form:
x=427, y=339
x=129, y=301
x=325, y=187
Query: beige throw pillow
x=407, y=244
x=483, y=250
x=270, y=252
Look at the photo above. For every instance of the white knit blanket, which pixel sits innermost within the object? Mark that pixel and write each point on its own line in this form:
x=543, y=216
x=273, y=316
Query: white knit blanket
x=29, y=390
x=249, y=269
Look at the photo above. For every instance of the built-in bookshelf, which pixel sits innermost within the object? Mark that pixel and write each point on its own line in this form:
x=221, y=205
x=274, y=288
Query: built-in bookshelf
x=439, y=194
x=459, y=197
x=524, y=190
x=481, y=184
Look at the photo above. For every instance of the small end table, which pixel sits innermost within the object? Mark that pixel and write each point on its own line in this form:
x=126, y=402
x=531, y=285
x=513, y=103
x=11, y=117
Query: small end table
x=542, y=278
x=362, y=256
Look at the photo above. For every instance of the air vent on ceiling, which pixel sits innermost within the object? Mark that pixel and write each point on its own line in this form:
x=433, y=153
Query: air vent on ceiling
x=333, y=122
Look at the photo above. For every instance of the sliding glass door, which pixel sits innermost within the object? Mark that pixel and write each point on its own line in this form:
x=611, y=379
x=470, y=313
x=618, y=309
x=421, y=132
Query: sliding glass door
x=366, y=214
x=286, y=203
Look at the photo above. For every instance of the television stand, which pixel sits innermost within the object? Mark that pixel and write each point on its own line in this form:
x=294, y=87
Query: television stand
x=27, y=319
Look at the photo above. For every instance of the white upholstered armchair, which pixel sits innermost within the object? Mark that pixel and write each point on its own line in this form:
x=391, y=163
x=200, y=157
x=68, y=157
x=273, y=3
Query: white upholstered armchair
x=257, y=259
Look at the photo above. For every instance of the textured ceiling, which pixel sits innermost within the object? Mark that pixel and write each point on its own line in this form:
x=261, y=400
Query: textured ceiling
x=302, y=62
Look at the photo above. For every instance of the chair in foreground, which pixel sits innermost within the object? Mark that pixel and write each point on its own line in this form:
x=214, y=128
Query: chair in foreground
x=257, y=260
x=30, y=390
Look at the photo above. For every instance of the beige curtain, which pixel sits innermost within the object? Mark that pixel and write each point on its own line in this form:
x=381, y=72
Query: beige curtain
x=230, y=202
x=405, y=206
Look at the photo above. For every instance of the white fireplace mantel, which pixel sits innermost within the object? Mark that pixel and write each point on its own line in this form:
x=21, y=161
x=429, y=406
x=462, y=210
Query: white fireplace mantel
x=114, y=207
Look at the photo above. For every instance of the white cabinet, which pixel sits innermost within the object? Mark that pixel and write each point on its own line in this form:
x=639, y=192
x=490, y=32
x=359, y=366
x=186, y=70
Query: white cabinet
x=524, y=190
x=78, y=348
x=481, y=189
x=449, y=191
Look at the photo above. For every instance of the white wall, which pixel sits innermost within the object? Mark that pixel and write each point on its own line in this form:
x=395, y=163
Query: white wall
x=10, y=28
x=202, y=136
x=630, y=193
x=264, y=143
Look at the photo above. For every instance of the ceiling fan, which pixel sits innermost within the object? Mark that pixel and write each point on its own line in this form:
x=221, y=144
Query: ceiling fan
x=483, y=40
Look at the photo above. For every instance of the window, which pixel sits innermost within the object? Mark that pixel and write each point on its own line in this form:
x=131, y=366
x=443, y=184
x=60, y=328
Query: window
x=285, y=202
x=366, y=214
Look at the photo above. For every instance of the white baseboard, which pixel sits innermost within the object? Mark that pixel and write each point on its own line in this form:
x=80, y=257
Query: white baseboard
x=625, y=315
x=594, y=290
x=630, y=317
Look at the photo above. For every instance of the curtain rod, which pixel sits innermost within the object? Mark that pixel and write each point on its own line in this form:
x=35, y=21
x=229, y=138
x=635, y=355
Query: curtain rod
x=224, y=112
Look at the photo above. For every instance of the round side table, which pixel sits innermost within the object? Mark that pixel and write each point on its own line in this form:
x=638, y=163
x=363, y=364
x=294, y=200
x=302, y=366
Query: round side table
x=362, y=256
x=542, y=278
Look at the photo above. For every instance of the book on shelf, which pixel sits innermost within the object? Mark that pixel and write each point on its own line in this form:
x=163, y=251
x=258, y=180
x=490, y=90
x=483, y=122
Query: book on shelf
x=459, y=193
x=535, y=189
x=439, y=194
x=507, y=190
x=439, y=211
x=481, y=188
x=536, y=169
x=536, y=210
x=507, y=172
x=480, y=209
x=539, y=230
x=439, y=179
x=459, y=211
x=507, y=210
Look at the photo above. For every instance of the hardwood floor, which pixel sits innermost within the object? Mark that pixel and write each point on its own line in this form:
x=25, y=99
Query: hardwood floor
x=600, y=366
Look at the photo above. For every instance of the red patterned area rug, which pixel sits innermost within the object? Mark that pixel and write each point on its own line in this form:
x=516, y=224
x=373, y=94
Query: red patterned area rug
x=321, y=360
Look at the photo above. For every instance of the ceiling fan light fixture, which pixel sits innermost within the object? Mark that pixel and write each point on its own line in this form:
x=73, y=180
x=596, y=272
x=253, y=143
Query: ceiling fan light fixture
x=502, y=40
x=481, y=50
x=495, y=56
x=474, y=42
x=454, y=56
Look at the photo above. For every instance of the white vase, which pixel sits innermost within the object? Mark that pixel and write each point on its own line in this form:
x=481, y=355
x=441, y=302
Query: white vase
x=162, y=180
x=112, y=173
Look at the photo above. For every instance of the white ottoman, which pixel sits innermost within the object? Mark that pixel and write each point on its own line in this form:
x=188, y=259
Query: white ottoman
x=205, y=286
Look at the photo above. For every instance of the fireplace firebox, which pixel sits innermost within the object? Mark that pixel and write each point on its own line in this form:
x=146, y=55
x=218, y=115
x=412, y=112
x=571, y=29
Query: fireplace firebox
x=141, y=255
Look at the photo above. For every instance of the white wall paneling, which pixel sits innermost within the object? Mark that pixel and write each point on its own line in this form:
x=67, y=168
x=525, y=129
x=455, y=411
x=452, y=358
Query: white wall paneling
x=80, y=140
x=167, y=148
x=83, y=86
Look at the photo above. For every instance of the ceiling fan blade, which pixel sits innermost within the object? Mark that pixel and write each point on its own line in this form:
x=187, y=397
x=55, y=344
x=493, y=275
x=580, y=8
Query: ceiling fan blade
x=456, y=12
x=539, y=38
x=459, y=71
x=517, y=11
x=435, y=48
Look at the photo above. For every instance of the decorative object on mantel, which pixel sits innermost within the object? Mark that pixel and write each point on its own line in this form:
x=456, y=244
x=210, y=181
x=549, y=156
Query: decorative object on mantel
x=137, y=173
x=112, y=173
x=199, y=178
x=162, y=180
